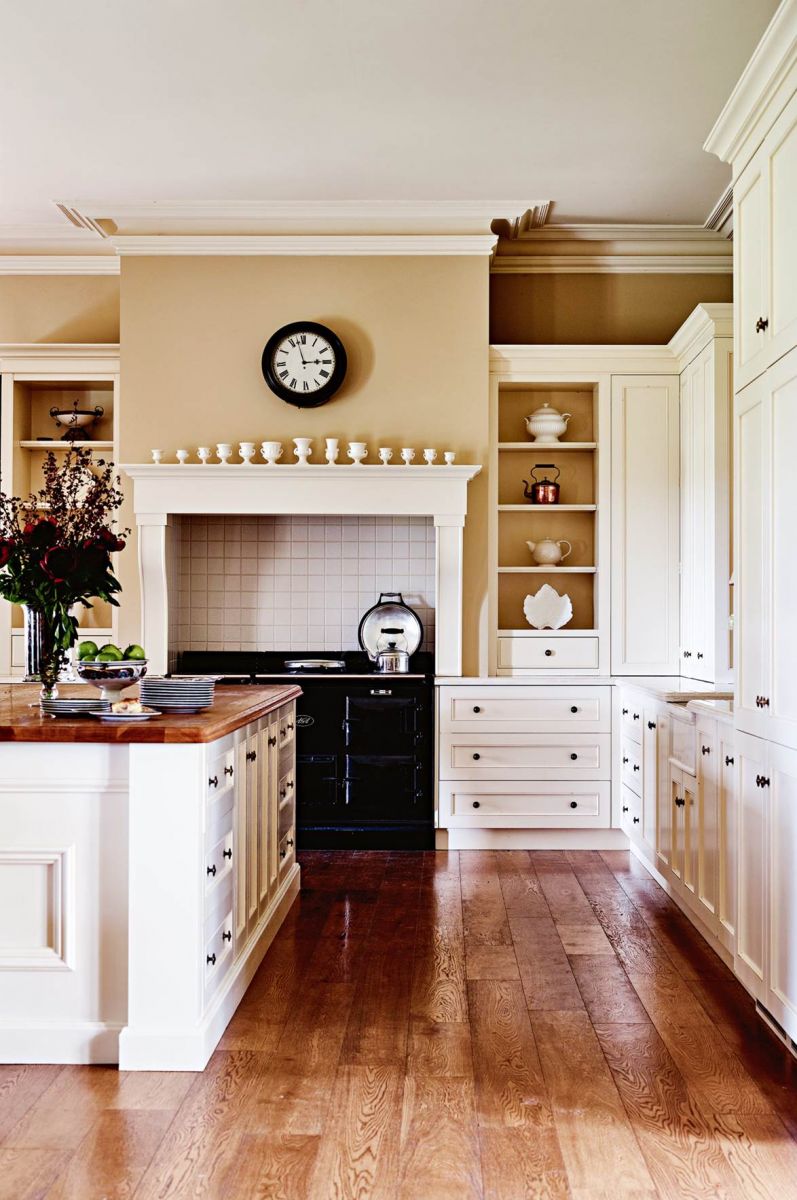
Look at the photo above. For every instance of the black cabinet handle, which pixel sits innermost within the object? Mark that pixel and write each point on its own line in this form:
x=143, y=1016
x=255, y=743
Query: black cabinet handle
x=574, y=803
x=211, y=960
x=289, y=726
x=729, y=761
x=476, y=804
x=213, y=781
x=636, y=766
x=574, y=708
x=636, y=820
x=289, y=842
x=212, y=870
x=282, y=793
x=705, y=750
x=680, y=802
x=700, y=654
x=687, y=653
x=227, y=853
x=251, y=755
x=762, y=781
x=625, y=759
x=283, y=853
x=477, y=757
x=636, y=716
x=476, y=708
x=548, y=653
x=762, y=702
x=289, y=784
x=625, y=808
x=625, y=712
x=761, y=324
x=227, y=937
x=272, y=741
x=651, y=724
x=574, y=757
x=229, y=771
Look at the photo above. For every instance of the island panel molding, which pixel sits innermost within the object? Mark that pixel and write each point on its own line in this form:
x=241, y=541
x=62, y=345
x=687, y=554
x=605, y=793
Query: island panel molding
x=50, y=924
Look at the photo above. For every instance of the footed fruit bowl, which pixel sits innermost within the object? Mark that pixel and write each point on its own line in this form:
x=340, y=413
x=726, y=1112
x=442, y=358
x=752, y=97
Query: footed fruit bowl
x=111, y=677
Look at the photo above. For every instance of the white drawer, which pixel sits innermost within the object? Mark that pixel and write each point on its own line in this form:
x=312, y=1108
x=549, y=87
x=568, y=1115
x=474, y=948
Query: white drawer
x=218, y=860
x=631, y=716
x=490, y=804
x=218, y=954
x=505, y=708
x=287, y=853
x=631, y=766
x=525, y=756
x=630, y=813
x=683, y=743
x=548, y=653
x=286, y=798
x=287, y=727
x=221, y=774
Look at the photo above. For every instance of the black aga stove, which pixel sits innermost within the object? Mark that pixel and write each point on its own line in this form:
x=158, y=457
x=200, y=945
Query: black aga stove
x=365, y=750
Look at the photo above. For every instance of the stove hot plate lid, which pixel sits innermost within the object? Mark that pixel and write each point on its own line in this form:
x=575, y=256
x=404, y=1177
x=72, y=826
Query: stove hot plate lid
x=314, y=664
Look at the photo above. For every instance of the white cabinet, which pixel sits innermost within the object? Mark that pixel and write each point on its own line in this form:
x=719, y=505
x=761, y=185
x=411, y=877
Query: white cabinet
x=780, y=788
x=750, y=958
x=765, y=246
x=766, y=568
x=706, y=405
x=645, y=525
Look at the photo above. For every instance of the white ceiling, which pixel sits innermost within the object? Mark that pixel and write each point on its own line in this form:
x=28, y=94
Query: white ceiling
x=601, y=107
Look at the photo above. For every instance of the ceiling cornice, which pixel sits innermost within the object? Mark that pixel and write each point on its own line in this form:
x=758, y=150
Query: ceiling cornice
x=611, y=264
x=705, y=322
x=59, y=264
x=305, y=245
x=616, y=249
x=720, y=218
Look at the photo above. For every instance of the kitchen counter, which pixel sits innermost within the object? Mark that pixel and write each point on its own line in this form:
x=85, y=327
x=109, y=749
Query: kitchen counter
x=720, y=710
x=234, y=707
x=675, y=690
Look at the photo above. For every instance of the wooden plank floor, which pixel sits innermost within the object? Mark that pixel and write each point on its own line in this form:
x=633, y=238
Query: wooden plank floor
x=473, y=1026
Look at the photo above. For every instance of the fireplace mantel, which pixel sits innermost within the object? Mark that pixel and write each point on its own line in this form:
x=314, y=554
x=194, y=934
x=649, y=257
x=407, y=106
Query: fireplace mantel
x=162, y=491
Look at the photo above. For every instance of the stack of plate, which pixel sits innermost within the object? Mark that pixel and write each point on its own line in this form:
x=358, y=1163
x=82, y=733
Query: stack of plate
x=186, y=695
x=72, y=706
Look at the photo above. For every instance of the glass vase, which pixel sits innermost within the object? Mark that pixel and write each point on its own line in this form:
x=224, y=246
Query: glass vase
x=43, y=656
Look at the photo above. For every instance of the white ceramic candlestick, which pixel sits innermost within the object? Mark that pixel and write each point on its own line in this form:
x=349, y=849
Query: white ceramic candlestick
x=157, y=456
x=385, y=455
x=224, y=450
x=449, y=457
x=203, y=454
x=429, y=456
x=272, y=452
x=182, y=457
x=247, y=451
x=407, y=455
x=357, y=451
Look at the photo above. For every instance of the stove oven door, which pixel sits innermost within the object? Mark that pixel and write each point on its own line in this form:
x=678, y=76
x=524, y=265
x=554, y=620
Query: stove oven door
x=387, y=752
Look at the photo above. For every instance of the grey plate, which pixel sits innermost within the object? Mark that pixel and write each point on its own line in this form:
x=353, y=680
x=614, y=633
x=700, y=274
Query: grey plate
x=390, y=613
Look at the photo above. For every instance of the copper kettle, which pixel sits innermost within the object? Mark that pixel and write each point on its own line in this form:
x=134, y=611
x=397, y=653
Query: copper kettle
x=545, y=490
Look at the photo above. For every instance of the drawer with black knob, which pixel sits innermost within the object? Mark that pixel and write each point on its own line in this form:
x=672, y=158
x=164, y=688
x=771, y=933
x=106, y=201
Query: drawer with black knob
x=217, y=954
x=219, y=855
x=524, y=708
x=524, y=804
x=548, y=653
x=525, y=756
x=631, y=765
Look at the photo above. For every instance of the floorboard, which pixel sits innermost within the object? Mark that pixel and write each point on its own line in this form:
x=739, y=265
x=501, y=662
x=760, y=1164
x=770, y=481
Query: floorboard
x=518, y=1025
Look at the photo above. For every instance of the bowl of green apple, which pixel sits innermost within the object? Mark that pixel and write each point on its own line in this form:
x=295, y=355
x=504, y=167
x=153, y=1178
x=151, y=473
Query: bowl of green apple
x=109, y=668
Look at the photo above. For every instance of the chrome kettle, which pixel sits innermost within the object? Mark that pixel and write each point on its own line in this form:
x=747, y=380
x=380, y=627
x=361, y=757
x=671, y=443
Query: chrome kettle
x=392, y=653
x=545, y=490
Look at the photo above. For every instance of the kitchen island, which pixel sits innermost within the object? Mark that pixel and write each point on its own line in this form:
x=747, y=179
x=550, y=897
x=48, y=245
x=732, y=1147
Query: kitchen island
x=144, y=870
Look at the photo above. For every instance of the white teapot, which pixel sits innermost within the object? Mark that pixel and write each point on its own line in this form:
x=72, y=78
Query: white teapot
x=547, y=424
x=548, y=553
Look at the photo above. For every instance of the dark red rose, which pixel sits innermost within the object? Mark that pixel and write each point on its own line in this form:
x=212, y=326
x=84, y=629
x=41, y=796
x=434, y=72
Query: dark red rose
x=93, y=558
x=6, y=550
x=41, y=534
x=58, y=563
x=110, y=541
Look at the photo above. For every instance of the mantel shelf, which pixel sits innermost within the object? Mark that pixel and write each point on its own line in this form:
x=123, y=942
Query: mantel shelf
x=547, y=570
x=539, y=508
x=551, y=447
x=35, y=444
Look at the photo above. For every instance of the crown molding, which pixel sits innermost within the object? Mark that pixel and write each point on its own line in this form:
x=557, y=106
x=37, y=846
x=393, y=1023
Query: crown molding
x=514, y=363
x=705, y=322
x=612, y=264
x=300, y=245
x=763, y=84
x=59, y=264
x=532, y=218
x=720, y=219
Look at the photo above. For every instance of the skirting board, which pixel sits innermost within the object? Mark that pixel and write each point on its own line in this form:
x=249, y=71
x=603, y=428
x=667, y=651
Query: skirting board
x=85, y=1043
x=190, y=1050
x=530, y=839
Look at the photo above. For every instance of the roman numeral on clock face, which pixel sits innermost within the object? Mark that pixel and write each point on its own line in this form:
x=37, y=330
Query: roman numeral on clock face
x=324, y=374
x=293, y=384
x=284, y=374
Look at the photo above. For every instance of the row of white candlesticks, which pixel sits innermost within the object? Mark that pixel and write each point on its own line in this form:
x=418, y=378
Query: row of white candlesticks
x=272, y=452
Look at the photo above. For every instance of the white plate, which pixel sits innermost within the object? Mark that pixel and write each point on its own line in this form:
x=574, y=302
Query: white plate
x=179, y=709
x=117, y=718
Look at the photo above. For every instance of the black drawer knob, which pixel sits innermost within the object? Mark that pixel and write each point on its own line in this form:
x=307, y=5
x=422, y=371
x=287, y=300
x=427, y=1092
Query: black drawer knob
x=289, y=784
x=251, y=755
x=549, y=653
x=212, y=870
x=477, y=757
x=476, y=804
x=574, y=757
x=680, y=802
x=289, y=842
x=729, y=761
x=636, y=820
x=211, y=960
x=476, y=708
x=651, y=724
x=283, y=853
x=625, y=759
x=272, y=741
x=636, y=766
x=700, y=654
x=687, y=653
x=289, y=726
x=228, y=853
x=574, y=803
x=704, y=750
x=574, y=708
x=625, y=712
x=282, y=793
x=213, y=781
x=227, y=937
x=625, y=808
x=636, y=716
x=761, y=324
x=228, y=771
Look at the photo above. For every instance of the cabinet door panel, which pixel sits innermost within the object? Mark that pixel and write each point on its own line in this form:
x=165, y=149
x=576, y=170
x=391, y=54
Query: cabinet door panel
x=664, y=805
x=752, y=566
x=781, y=155
x=240, y=852
x=644, y=499
x=782, y=388
x=749, y=247
x=782, y=999
x=708, y=822
x=691, y=832
x=650, y=768
x=750, y=961
x=728, y=835
x=678, y=823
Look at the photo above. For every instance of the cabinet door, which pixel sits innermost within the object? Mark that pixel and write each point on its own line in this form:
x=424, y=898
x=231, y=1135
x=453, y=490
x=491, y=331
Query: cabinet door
x=750, y=958
x=782, y=693
x=708, y=822
x=752, y=590
x=664, y=799
x=728, y=836
x=645, y=525
x=650, y=768
x=691, y=832
x=750, y=288
x=240, y=861
x=690, y=382
x=271, y=798
x=781, y=788
x=252, y=837
x=780, y=150
x=260, y=777
x=677, y=822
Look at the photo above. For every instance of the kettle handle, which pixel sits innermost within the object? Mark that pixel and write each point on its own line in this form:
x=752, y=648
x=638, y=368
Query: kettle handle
x=390, y=596
x=544, y=467
x=564, y=542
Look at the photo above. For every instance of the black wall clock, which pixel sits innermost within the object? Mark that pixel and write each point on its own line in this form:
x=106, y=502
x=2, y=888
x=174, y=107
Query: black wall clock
x=304, y=363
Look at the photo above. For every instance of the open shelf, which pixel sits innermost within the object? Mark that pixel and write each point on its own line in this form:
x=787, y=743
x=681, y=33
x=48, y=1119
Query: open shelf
x=533, y=633
x=547, y=570
x=538, y=508
x=539, y=446
x=36, y=444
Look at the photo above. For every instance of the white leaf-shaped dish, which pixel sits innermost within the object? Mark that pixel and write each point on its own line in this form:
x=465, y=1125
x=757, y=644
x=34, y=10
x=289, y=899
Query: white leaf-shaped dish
x=547, y=609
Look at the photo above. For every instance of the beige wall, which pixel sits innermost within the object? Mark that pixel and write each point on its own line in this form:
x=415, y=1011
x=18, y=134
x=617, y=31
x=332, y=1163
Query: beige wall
x=597, y=309
x=415, y=330
x=59, y=308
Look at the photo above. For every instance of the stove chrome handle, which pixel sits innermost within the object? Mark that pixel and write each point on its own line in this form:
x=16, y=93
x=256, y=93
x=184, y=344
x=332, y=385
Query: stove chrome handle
x=380, y=692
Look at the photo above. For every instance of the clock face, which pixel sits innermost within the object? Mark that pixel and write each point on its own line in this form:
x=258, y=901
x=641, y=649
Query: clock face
x=304, y=363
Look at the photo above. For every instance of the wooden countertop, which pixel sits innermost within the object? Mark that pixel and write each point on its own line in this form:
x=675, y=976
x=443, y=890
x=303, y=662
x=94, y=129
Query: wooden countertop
x=233, y=707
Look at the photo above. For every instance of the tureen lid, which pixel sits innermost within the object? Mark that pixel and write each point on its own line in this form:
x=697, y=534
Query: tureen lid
x=546, y=410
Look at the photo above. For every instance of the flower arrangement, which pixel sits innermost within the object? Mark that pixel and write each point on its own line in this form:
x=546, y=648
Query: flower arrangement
x=55, y=550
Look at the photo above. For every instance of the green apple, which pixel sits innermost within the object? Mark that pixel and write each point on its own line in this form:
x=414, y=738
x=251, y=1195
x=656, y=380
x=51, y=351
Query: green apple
x=87, y=650
x=110, y=653
x=135, y=651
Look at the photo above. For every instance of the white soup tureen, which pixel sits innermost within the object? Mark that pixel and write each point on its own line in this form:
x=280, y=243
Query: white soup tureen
x=547, y=424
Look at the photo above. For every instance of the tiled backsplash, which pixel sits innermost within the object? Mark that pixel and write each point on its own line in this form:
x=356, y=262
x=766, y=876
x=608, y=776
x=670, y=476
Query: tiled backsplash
x=296, y=583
